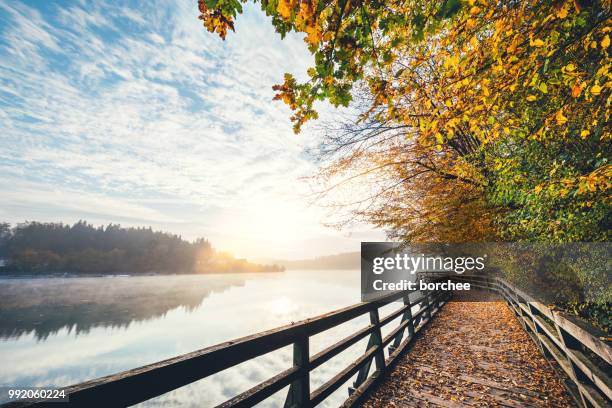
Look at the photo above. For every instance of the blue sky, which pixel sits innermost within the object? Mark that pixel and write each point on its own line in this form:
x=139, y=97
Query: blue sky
x=130, y=112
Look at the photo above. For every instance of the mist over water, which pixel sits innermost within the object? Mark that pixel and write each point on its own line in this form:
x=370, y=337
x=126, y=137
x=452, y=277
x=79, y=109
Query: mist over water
x=61, y=331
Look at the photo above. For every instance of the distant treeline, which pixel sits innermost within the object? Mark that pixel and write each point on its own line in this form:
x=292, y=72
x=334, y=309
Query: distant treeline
x=43, y=248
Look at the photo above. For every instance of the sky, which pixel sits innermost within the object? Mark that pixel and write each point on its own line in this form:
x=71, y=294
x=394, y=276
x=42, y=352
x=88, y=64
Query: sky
x=132, y=113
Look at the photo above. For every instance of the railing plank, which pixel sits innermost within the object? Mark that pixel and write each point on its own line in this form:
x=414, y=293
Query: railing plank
x=262, y=391
x=343, y=376
x=591, y=371
x=394, y=315
x=389, y=337
x=571, y=326
x=338, y=347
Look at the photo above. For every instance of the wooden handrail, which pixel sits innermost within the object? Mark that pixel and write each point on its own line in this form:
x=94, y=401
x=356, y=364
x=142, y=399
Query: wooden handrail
x=143, y=383
x=574, y=345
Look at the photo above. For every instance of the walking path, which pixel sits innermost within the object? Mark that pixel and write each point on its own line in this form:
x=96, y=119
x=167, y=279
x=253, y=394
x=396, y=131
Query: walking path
x=473, y=353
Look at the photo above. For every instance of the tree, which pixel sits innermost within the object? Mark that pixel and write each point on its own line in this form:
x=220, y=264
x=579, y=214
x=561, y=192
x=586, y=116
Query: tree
x=516, y=94
x=35, y=247
x=416, y=193
x=5, y=232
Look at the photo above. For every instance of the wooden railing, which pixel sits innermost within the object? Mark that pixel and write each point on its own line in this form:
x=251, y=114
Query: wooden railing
x=586, y=359
x=141, y=384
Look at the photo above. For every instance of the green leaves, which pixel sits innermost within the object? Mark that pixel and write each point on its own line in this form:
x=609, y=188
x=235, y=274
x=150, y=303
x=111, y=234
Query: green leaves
x=211, y=4
x=449, y=8
x=418, y=26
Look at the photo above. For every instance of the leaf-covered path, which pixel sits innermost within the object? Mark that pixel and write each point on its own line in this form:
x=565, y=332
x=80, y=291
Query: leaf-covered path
x=472, y=354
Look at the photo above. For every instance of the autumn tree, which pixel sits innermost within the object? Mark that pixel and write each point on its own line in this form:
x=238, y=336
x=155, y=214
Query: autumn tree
x=377, y=172
x=516, y=92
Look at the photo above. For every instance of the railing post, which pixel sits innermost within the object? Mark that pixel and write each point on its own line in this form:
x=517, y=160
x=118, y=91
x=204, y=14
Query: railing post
x=407, y=315
x=521, y=312
x=438, y=300
x=537, y=331
x=377, y=337
x=379, y=357
x=299, y=390
x=427, y=306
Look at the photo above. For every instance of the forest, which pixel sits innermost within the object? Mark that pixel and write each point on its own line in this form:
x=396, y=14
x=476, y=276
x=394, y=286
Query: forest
x=469, y=120
x=35, y=248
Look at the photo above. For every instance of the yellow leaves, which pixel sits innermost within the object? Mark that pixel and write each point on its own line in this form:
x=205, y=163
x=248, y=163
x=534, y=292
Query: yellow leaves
x=215, y=20
x=605, y=43
x=470, y=23
x=570, y=67
x=305, y=15
x=451, y=124
x=513, y=46
x=452, y=61
x=474, y=42
x=538, y=188
x=475, y=10
x=577, y=89
x=567, y=182
x=603, y=70
x=538, y=43
x=499, y=164
x=562, y=13
x=584, y=134
x=591, y=183
x=284, y=8
x=499, y=28
x=597, y=180
x=596, y=89
x=560, y=118
x=543, y=88
x=531, y=98
x=314, y=34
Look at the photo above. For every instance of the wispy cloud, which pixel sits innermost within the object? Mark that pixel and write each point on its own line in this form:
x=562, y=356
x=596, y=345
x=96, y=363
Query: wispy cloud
x=106, y=107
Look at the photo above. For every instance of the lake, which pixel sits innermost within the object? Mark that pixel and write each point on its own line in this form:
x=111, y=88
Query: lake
x=61, y=331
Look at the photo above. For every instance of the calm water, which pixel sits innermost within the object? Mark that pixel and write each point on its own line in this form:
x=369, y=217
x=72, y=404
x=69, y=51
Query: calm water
x=57, y=332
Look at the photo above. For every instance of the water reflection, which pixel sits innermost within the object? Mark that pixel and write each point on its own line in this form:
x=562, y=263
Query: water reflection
x=46, y=306
x=58, y=332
